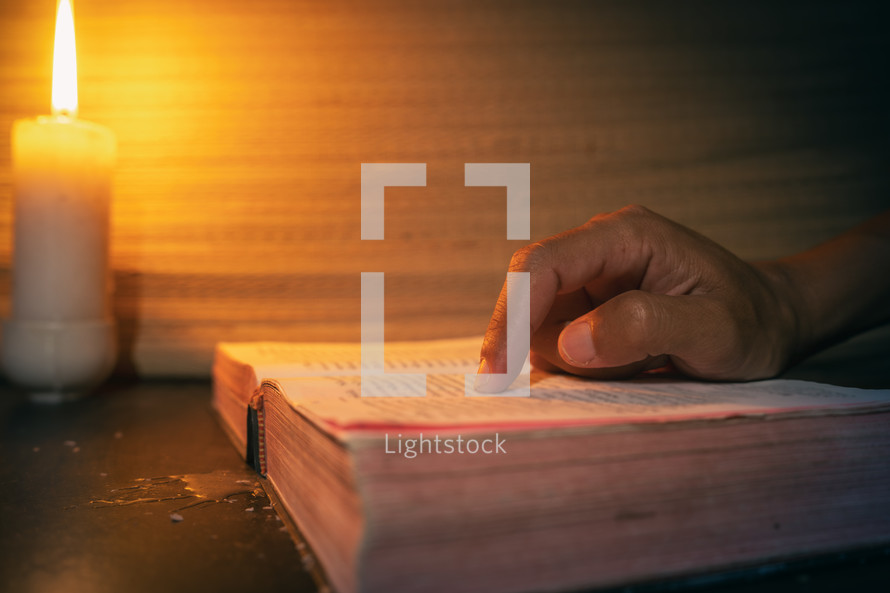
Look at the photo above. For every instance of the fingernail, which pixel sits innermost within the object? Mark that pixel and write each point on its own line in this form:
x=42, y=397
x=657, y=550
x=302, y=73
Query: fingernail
x=483, y=374
x=576, y=344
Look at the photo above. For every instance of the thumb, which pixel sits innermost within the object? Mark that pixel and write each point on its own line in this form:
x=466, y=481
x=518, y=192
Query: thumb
x=633, y=326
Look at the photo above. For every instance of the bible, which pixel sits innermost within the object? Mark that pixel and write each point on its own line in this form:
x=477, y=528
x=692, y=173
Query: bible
x=582, y=484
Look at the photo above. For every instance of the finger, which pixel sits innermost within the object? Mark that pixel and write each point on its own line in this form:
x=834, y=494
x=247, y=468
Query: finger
x=610, y=251
x=566, y=308
x=512, y=312
x=545, y=351
x=636, y=326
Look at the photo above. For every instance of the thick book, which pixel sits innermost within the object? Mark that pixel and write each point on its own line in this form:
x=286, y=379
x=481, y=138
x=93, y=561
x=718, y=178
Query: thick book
x=583, y=484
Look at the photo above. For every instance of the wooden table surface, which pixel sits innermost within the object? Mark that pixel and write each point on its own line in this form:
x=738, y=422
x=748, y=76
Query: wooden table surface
x=88, y=490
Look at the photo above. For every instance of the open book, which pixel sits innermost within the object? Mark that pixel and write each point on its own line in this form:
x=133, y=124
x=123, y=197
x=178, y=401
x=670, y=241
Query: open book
x=582, y=484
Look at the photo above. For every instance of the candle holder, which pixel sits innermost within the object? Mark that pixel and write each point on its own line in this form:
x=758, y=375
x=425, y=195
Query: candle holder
x=58, y=361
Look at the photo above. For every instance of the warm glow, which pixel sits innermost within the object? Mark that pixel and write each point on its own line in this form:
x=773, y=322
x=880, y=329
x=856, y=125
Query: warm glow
x=64, y=63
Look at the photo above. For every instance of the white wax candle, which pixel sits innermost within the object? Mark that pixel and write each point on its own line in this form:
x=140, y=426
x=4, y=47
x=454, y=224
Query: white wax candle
x=60, y=338
x=62, y=176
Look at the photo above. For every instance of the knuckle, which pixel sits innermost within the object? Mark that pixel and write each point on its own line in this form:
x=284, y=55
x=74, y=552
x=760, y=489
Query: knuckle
x=637, y=225
x=631, y=224
x=597, y=219
x=636, y=210
x=637, y=221
x=530, y=257
x=624, y=214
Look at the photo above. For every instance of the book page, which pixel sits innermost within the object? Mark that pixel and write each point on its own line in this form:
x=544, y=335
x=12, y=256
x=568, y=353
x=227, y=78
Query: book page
x=331, y=359
x=562, y=400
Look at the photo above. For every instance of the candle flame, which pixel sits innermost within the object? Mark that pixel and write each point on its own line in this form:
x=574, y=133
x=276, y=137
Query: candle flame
x=64, y=63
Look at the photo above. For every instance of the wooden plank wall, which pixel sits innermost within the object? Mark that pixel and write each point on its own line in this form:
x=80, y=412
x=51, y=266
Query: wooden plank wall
x=242, y=126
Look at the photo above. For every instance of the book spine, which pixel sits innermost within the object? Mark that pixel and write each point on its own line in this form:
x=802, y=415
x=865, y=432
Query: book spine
x=256, y=433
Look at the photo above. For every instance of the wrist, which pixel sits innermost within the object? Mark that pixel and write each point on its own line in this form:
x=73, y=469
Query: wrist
x=796, y=324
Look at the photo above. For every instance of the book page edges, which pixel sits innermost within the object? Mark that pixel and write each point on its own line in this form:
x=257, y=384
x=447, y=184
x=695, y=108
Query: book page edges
x=335, y=406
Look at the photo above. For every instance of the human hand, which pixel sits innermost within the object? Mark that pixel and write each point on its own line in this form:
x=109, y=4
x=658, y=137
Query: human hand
x=632, y=291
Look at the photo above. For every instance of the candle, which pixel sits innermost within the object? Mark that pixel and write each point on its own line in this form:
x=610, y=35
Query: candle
x=60, y=338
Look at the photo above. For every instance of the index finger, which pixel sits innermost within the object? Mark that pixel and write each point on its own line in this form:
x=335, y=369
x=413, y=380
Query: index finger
x=606, y=252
